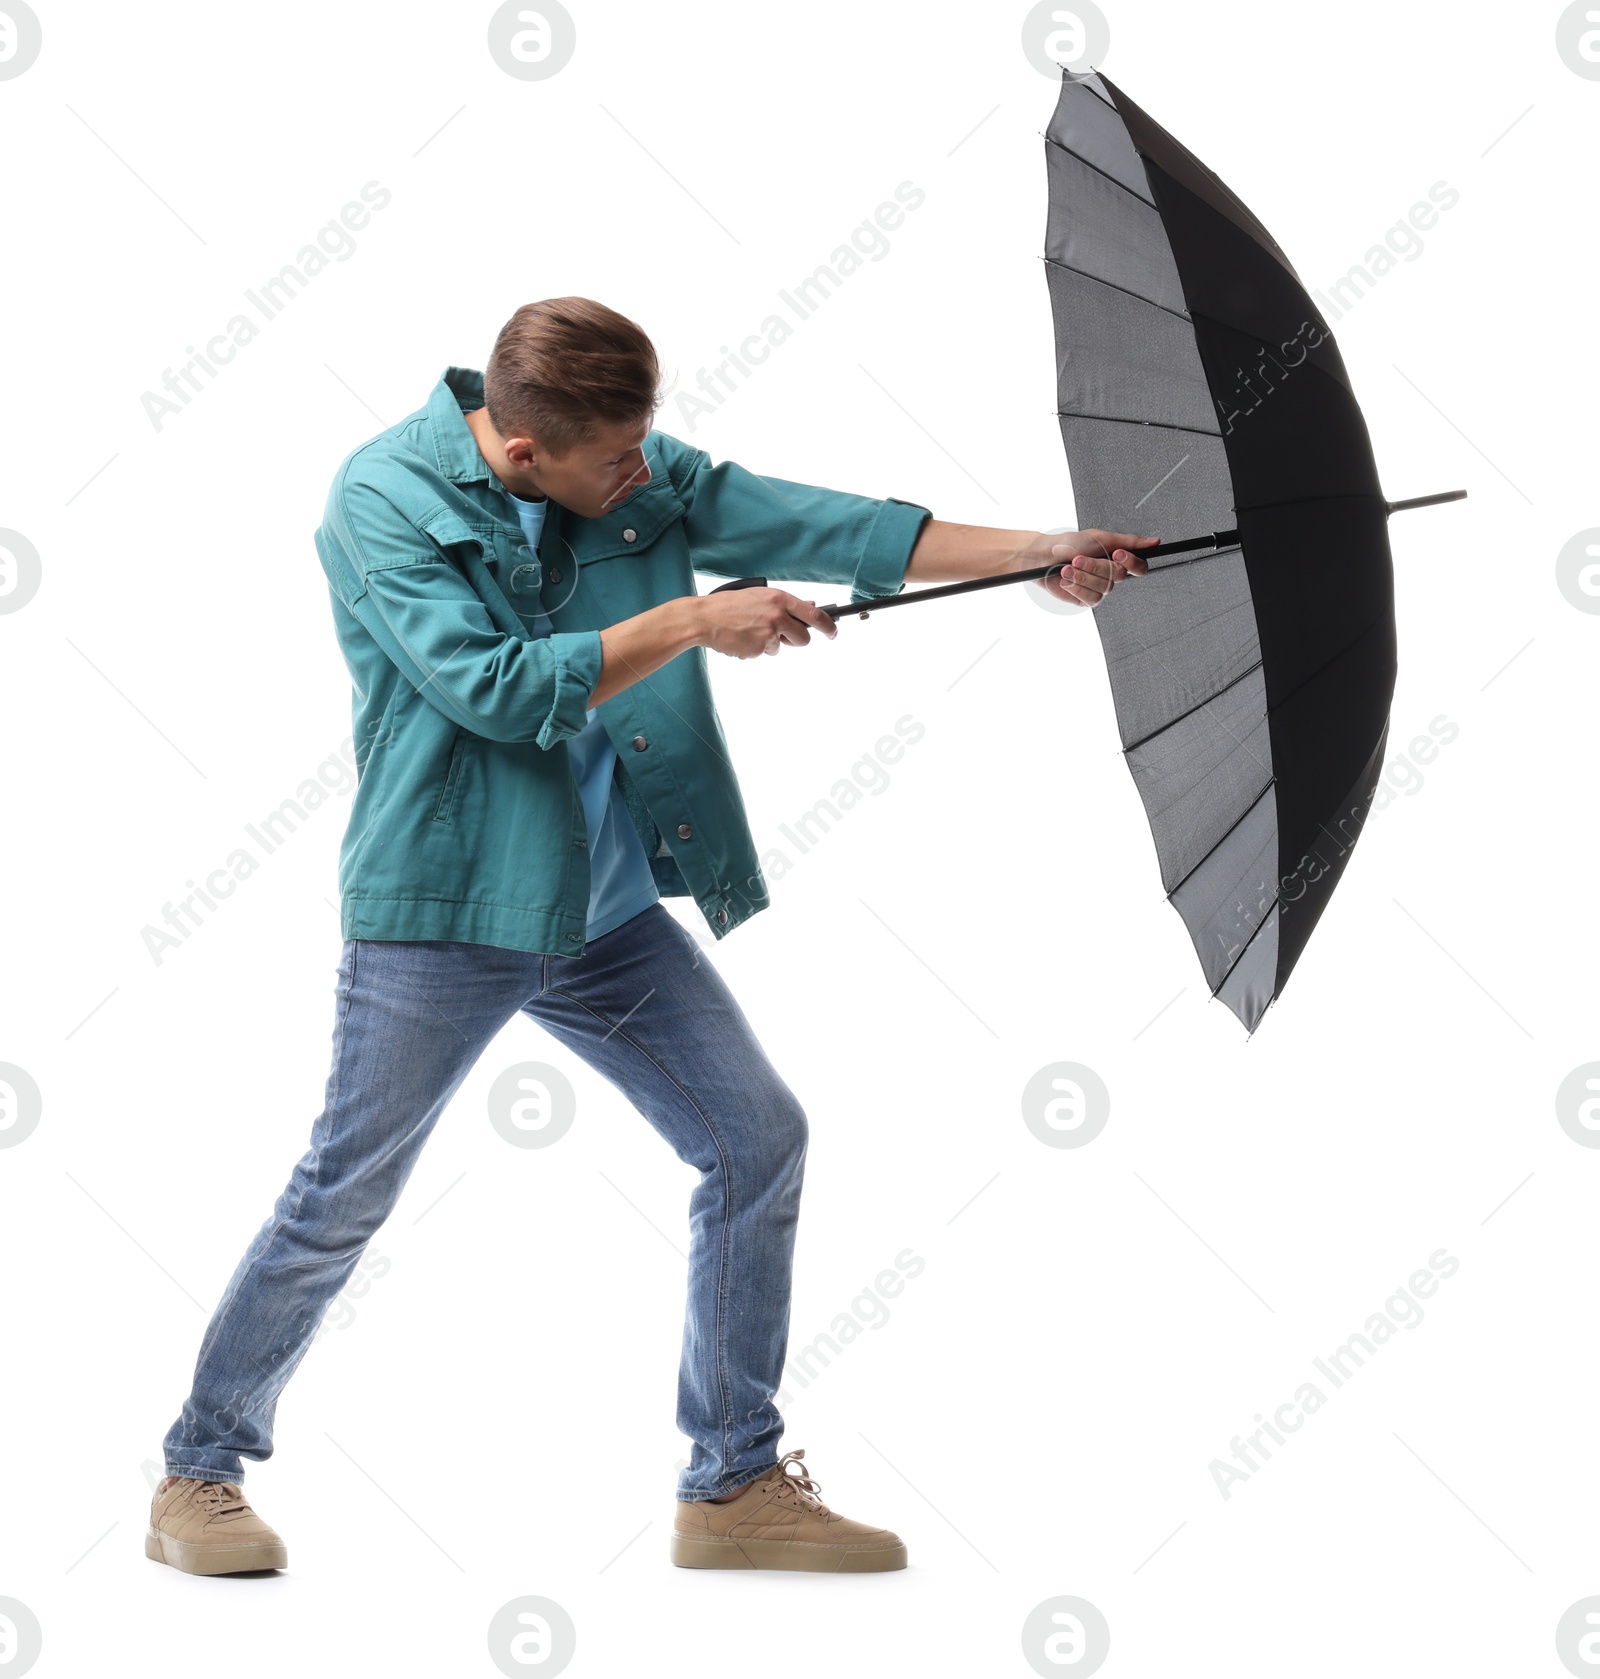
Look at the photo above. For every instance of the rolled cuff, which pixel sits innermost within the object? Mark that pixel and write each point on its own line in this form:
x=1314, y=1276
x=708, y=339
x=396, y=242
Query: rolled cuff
x=887, y=551
x=577, y=672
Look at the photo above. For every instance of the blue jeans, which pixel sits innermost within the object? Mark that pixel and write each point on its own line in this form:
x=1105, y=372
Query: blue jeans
x=643, y=1008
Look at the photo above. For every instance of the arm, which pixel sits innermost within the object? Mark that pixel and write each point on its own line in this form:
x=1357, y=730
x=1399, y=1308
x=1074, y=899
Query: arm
x=425, y=615
x=741, y=522
x=745, y=622
x=950, y=553
x=741, y=623
x=435, y=628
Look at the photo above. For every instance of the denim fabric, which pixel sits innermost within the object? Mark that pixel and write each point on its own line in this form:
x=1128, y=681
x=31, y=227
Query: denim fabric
x=645, y=1009
x=465, y=823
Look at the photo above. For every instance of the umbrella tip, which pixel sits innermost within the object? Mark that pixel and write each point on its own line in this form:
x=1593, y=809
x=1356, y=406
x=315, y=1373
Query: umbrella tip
x=1425, y=501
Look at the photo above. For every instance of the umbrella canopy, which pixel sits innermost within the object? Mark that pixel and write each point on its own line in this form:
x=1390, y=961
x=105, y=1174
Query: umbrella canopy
x=1199, y=389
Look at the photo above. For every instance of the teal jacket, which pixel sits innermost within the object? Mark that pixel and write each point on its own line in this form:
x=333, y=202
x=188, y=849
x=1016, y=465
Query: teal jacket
x=466, y=822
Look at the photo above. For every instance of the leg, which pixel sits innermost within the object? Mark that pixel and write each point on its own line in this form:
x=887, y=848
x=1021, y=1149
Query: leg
x=412, y=1018
x=646, y=1010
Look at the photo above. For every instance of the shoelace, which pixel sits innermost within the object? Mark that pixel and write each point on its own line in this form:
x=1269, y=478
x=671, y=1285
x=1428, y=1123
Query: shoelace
x=799, y=1484
x=221, y=1500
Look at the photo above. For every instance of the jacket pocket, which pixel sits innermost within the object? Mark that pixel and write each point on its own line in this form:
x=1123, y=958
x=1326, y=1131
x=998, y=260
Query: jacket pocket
x=452, y=781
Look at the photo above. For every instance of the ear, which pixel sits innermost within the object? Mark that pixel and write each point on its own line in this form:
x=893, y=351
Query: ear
x=522, y=451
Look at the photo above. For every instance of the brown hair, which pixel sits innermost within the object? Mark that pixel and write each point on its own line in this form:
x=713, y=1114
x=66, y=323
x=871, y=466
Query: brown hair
x=563, y=366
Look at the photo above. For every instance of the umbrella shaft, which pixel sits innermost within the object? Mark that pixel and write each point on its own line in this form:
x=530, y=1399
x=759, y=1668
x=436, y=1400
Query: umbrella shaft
x=1188, y=545
x=1217, y=539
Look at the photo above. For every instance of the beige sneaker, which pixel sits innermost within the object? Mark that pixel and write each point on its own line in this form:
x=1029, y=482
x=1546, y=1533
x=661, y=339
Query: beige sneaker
x=206, y=1527
x=780, y=1522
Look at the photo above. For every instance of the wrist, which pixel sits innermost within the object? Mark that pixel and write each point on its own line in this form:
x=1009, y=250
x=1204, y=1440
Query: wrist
x=686, y=622
x=999, y=552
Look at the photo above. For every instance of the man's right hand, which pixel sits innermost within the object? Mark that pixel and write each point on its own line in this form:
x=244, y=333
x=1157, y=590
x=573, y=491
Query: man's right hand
x=738, y=622
x=744, y=622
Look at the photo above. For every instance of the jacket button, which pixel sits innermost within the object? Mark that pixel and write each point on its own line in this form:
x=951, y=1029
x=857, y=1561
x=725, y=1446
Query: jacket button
x=574, y=938
x=639, y=743
x=685, y=831
x=555, y=575
x=629, y=535
x=722, y=917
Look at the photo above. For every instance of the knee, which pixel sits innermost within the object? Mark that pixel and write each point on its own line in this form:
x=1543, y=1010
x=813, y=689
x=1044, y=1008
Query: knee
x=780, y=1132
x=331, y=1221
x=792, y=1124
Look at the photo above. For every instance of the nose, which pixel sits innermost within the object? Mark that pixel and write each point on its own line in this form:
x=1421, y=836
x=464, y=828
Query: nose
x=635, y=479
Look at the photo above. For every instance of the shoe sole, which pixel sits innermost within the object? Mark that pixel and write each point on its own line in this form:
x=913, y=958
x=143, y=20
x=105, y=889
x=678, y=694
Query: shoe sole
x=213, y=1559
x=690, y=1551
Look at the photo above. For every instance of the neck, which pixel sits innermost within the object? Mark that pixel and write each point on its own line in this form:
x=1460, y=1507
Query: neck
x=492, y=448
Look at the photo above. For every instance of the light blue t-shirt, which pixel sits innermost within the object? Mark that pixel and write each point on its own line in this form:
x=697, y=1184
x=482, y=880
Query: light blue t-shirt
x=620, y=882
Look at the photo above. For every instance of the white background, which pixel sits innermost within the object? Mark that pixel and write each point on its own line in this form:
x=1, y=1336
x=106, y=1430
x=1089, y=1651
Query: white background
x=1038, y=1414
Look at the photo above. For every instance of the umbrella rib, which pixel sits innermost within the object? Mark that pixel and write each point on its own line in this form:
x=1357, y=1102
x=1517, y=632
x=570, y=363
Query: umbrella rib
x=1240, y=742
x=1124, y=420
x=1305, y=361
x=1188, y=875
x=1139, y=297
x=1306, y=501
x=1332, y=659
x=1149, y=203
x=1172, y=722
x=1087, y=80
x=1265, y=918
x=1227, y=610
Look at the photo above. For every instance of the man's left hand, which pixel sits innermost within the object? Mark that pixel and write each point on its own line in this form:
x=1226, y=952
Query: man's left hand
x=1093, y=562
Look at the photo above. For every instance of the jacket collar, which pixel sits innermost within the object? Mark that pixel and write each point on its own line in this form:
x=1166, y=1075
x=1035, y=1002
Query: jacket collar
x=454, y=447
x=643, y=514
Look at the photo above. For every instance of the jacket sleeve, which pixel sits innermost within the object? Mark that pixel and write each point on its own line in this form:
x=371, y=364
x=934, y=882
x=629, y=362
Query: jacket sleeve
x=741, y=524
x=426, y=616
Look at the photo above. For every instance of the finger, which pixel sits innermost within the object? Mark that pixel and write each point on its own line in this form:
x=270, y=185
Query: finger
x=1079, y=569
x=1054, y=587
x=1075, y=564
x=1089, y=572
x=1123, y=565
x=1070, y=585
x=1131, y=564
x=792, y=630
x=808, y=612
x=1063, y=586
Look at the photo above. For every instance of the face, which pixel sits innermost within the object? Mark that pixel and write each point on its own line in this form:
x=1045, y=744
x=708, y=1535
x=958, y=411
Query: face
x=594, y=477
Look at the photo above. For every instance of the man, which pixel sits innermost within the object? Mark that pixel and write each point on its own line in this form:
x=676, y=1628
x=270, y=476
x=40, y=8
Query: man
x=511, y=574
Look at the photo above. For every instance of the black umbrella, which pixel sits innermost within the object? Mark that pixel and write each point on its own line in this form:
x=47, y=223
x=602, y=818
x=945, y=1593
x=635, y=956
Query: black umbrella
x=1199, y=389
